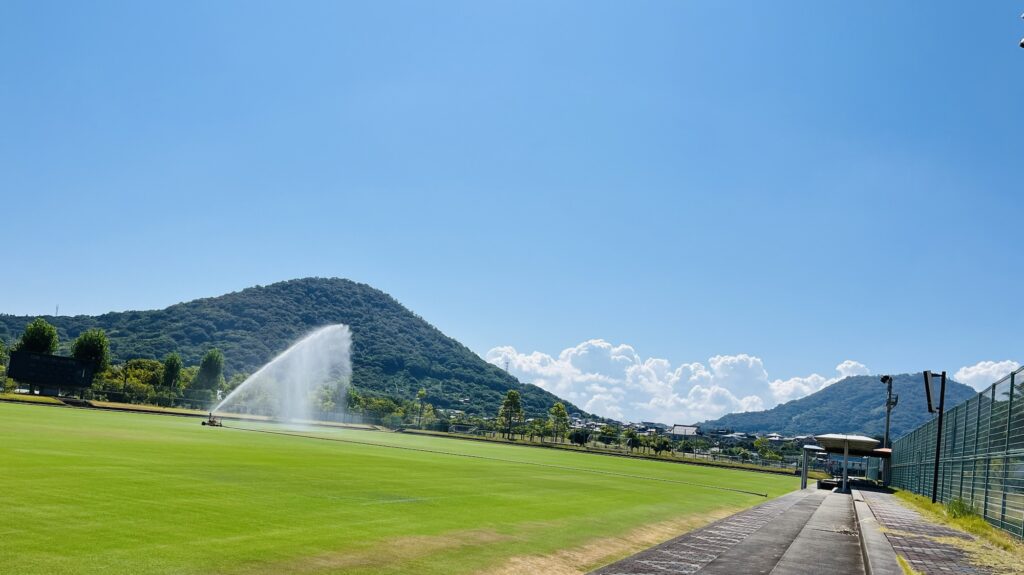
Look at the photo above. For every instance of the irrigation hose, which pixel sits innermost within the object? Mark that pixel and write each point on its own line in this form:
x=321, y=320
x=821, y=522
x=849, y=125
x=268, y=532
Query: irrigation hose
x=484, y=457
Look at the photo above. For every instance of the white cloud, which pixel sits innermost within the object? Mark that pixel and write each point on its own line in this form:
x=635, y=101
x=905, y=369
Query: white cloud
x=615, y=381
x=797, y=387
x=850, y=368
x=984, y=373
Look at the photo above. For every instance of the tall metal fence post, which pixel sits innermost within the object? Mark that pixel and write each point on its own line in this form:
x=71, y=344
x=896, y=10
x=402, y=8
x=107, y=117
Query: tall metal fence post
x=952, y=452
x=938, y=439
x=977, y=434
x=987, y=459
x=1006, y=450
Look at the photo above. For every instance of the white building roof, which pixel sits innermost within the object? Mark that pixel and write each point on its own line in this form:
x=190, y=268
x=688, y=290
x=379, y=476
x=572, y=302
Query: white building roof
x=857, y=444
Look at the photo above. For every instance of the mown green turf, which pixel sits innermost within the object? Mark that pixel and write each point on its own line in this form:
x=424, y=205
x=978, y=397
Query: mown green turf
x=85, y=491
x=27, y=398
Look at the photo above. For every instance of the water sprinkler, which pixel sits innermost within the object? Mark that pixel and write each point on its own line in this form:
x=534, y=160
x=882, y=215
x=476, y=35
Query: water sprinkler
x=213, y=421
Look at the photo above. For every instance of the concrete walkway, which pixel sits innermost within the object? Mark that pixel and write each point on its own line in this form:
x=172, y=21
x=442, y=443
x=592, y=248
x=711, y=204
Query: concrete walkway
x=803, y=532
x=924, y=544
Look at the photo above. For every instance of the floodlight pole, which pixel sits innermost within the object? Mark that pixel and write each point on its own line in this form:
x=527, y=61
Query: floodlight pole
x=887, y=380
x=890, y=403
x=938, y=433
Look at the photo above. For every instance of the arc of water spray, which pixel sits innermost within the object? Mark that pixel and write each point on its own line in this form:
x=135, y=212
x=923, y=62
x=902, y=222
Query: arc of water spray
x=321, y=358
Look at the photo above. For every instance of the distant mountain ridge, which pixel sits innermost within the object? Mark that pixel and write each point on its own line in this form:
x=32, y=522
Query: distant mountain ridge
x=852, y=405
x=394, y=351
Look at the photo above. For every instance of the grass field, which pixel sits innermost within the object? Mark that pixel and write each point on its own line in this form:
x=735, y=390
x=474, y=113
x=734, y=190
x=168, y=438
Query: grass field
x=26, y=398
x=85, y=491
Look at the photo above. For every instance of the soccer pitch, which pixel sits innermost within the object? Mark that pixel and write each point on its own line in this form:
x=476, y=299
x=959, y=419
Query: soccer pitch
x=84, y=491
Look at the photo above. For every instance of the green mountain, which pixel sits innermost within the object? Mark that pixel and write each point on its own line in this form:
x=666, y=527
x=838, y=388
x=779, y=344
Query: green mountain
x=394, y=351
x=852, y=405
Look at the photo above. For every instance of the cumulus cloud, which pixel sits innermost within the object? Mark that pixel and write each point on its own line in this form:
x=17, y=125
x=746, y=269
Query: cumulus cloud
x=984, y=373
x=797, y=387
x=784, y=390
x=850, y=368
x=615, y=381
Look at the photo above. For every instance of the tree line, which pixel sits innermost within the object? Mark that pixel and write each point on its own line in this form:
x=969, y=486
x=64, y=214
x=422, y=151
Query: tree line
x=511, y=422
x=163, y=382
x=557, y=428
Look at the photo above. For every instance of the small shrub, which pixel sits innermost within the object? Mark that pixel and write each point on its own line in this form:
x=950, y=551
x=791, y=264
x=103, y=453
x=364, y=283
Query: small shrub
x=958, y=508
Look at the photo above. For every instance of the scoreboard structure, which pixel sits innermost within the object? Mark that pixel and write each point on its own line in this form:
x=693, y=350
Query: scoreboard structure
x=50, y=373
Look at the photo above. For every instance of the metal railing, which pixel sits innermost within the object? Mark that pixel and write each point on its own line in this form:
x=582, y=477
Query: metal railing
x=982, y=459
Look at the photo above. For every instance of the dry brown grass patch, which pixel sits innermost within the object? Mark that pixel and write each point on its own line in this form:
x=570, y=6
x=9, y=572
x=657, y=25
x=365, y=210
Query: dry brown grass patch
x=581, y=559
x=395, y=552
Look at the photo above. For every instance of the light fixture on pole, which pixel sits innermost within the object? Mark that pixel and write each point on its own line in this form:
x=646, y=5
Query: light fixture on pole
x=890, y=402
x=938, y=433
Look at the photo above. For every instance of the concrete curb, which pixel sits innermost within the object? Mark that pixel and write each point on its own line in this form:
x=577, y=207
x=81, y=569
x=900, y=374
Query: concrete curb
x=879, y=556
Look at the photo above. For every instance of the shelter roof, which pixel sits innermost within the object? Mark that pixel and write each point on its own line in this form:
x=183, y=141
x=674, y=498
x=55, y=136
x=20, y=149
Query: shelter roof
x=858, y=445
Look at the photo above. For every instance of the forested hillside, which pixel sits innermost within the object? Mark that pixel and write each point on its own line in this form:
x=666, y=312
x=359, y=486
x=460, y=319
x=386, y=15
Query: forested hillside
x=394, y=351
x=852, y=405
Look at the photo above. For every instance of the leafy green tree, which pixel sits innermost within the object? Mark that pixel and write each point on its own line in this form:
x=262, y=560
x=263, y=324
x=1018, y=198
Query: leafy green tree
x=394, y=419
x=172, y=372
x=236, y=379
x=136, y=392
x=537, y=429
x=6, y=384
x=659, y=444
x=354, y=400
x=510, y=412
x=608, y=434
x=380, y=407
x=631, y=439
x=134, y=381
x=93, y=348
x=39, y=337
x=187, y=375
x=559, y=419
x=579, y=436
x=324, y=399
x=428, y=416
x=420, y=396
x=764, y=448
x=211, y=371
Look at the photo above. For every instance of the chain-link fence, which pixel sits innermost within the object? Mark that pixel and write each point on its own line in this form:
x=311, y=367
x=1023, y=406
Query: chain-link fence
x=982, y=455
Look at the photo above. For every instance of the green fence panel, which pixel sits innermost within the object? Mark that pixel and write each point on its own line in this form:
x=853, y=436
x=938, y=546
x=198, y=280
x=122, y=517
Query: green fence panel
x=982, y=455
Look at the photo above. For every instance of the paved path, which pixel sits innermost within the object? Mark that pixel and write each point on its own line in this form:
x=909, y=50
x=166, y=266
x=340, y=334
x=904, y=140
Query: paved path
x=913, y=538
x=795, y=534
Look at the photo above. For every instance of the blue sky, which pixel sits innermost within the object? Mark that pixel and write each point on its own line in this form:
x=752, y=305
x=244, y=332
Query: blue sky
x=802, y=184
